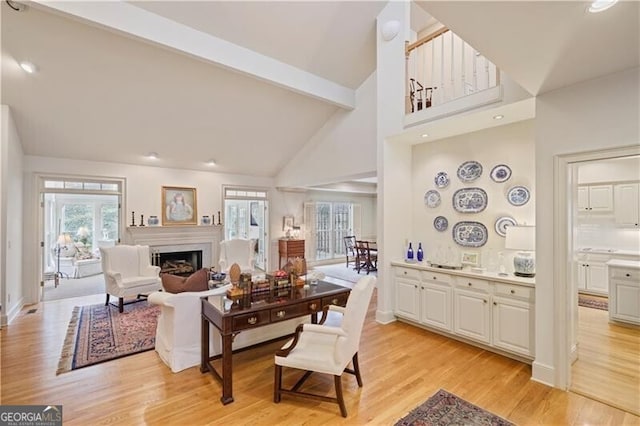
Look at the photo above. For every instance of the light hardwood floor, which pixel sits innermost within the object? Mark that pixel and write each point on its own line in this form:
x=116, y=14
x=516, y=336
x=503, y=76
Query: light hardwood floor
x=401, y=366
x=608, y=365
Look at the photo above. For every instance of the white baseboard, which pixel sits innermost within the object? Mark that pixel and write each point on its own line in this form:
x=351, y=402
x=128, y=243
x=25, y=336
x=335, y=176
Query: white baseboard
x=385, y=317
x=544, y=374
x=573, y=356
x=6, y=319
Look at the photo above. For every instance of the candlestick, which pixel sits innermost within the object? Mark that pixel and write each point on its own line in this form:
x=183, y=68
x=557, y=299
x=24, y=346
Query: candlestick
x=141, y=220
x=133, y=219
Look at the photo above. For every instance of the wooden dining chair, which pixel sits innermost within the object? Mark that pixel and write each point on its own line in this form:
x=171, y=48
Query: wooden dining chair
x=350, y=249
x=366, y=257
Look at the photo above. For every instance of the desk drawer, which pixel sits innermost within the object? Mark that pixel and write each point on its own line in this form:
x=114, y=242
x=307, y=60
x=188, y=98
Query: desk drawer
x=510, y=290
x=473, y=284
x=338, y=299
x=428, y=276
x=409, y=273
x=254, y=319
x=292, y=311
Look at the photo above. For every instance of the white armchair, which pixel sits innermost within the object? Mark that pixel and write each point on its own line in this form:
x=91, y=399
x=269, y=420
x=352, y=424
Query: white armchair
x=128, y=272
x=238, y=251
x=327, y=349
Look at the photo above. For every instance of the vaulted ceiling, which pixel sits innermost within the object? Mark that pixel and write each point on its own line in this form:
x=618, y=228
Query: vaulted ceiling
x=117, y=80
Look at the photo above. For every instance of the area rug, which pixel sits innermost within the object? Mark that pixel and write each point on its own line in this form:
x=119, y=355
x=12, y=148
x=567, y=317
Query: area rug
x=445, y=408
x=99, y=333
x=593, y=303
x=341, y=272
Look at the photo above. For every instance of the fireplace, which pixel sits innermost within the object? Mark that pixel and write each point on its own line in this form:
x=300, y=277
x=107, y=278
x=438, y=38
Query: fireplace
x=183, y=263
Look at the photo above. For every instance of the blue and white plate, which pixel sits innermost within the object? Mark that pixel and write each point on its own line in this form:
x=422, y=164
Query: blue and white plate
x=469, y=171
x=470, y=234
x=518, y=195
x=441, y=179
x=470, y=200
x=432, y=198
x=500, y=173
x=440, y=223
x=502, y=223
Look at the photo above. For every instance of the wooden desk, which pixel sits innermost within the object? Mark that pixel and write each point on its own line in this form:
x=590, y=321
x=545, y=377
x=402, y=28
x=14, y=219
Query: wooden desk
x=257, y=310
x=290, y=249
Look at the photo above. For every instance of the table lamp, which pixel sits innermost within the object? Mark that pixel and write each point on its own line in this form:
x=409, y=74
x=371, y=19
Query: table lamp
x=523, y=239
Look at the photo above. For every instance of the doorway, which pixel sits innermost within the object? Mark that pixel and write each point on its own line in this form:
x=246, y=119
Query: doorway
x=602, y=355
x=246, y=216
x=78, y=217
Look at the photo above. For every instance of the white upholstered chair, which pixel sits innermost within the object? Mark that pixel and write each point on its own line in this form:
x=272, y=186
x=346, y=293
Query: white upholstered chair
x=128, y=272
x=240, y=251
x=327, y=349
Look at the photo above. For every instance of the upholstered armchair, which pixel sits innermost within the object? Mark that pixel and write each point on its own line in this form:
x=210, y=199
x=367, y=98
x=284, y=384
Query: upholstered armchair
x=327, y=349
x=238, y=251
x=128, y=272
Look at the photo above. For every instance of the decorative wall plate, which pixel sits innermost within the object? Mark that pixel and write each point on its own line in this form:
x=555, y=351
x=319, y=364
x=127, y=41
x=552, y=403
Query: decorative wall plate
x=518, y=195
x=470, y=234
x=469, y=171
x=470, y=200
x=440, y=223
x=432, y=198
x=500, y=173
x=502, y=223
x=441, y=179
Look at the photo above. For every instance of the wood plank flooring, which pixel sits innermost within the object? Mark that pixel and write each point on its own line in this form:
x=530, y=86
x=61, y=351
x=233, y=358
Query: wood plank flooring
x=608, y=365
x=401, y=366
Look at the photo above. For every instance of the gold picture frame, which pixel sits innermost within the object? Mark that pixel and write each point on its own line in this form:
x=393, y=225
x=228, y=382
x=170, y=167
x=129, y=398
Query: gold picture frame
x=179, y=206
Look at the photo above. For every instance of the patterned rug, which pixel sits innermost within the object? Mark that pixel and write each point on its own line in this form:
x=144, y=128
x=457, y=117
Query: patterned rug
x=593, y=303
x=99, y=333
x=445, y=408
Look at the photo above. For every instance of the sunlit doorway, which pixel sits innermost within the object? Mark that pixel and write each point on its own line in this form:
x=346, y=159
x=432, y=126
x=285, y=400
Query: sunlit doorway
x=246, y=216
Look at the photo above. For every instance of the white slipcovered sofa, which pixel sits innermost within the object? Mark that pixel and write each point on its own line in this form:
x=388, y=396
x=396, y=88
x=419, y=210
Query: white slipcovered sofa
x=178, y=339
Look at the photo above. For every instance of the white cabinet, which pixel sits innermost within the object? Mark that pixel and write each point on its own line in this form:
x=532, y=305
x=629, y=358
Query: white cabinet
x=495, y=312
x=407, y=284
x=595, y=198
x=627, y=204
x=624, y=298
x=592, y=274
x=435, y=304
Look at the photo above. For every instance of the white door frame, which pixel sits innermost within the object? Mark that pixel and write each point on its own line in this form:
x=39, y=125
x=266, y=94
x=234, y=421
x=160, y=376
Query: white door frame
x=565, y=302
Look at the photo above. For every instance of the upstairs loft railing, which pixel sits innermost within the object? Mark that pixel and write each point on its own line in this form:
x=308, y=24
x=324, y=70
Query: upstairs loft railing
x=441, y=67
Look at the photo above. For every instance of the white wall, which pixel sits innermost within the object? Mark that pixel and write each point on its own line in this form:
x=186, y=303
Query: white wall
x=609, y=171
x=342, y=149
x=595, y=115
x=11, y=218
x=512, y=145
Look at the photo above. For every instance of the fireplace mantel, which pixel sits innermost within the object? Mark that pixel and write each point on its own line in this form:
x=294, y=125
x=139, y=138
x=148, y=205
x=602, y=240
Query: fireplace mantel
x=177, y=238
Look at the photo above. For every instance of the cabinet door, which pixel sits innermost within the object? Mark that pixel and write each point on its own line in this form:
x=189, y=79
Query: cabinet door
x=436, y=305
x=625, y=301
x=583, y=199
x=627, y=204
x=581, y=270
x=601, y=198
x=512, y=325
x=407, y=299
x=597, y=278
x=472, y=315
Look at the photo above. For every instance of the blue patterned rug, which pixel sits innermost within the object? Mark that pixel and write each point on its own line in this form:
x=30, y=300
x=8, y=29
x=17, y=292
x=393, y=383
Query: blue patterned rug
x=444, y=409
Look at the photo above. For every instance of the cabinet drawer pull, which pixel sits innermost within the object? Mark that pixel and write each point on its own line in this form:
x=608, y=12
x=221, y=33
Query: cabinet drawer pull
x=484, y=300
x=513, y=292
x=280, y=314
x=435, y=278
x=469, y=284
x=334, y=301
x=495, y=304
x=252, y=320
x=404, y=272
x=313, y=306
x=628, y=275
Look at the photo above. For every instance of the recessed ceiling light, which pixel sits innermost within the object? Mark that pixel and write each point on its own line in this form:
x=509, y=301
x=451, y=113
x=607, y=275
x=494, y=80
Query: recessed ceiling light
x=211, y=162
x=601, y=5
x=424, y=135
x=498, y=117
x=152, y=155
x=28, y=67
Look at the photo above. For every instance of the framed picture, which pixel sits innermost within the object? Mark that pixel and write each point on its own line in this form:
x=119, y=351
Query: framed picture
x=287, y=223
x=471, y=259
x=179, y=206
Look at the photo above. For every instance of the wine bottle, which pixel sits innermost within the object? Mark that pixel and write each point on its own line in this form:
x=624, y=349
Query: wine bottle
x=420, y=252
x=410, y=252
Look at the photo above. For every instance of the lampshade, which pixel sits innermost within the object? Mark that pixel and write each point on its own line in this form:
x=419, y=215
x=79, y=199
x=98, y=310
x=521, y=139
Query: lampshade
x=64, y=239
x=521, y=237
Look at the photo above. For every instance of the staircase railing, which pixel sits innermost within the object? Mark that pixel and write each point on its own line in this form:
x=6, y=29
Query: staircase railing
x=441, y=67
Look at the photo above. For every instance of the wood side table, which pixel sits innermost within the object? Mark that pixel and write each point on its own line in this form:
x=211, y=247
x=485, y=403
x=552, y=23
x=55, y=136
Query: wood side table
x=290, y=249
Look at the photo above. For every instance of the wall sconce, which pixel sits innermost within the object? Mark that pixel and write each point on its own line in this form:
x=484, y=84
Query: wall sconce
x=390, y=30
